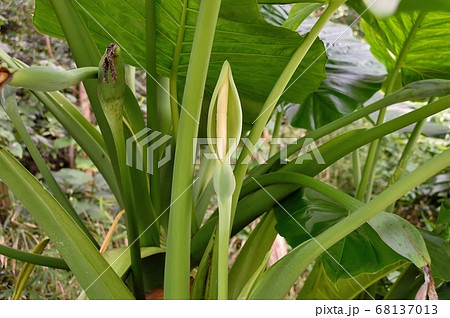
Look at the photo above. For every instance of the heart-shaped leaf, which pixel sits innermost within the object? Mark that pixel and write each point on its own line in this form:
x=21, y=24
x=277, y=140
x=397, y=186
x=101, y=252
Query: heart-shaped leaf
x=416, y=38
x=353, y=76
x=257, y=50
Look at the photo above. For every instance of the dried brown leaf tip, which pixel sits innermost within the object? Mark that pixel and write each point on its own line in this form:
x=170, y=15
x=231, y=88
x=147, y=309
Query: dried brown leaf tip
x=108, y=63
x=428, y=287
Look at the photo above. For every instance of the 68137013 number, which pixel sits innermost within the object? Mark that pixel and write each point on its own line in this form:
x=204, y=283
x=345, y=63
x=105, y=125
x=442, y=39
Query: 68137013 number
x=406, y=309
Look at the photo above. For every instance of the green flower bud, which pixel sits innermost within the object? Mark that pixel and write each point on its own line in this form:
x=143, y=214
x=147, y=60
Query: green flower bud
x=44, y=78
x=225, y=115
x=223, y=181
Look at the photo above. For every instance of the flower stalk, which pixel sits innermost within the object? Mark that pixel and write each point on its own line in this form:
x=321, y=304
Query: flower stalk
x=224, y=126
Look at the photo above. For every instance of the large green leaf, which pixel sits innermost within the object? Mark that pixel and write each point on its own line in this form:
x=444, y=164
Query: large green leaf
x=427, y=56
x=89, y=267
x=318, y=286
x=276, y=14
x=251, y=45
x=353, y=76
x=362, y=251
x=412, y=5
x=312, y=210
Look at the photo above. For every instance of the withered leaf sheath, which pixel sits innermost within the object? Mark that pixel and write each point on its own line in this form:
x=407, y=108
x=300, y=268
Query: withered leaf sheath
x=111, y=88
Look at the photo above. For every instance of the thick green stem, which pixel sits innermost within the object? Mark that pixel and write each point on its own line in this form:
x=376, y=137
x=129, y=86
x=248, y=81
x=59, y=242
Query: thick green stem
x=174, y=70
x=152, y=97
x=370, y=182
x=150, y=27
x=287, y=270
x=367, y=179
x=301, y=180
x=406, y=155
x=176, y=285
x=131, y=215
x=276, y=132
x=275, y=94
x=223, y=241
x=356, y=167
x=364, y=137
x=174, y=104
x=130, y=78
x=164, y=114
x=369, y=167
